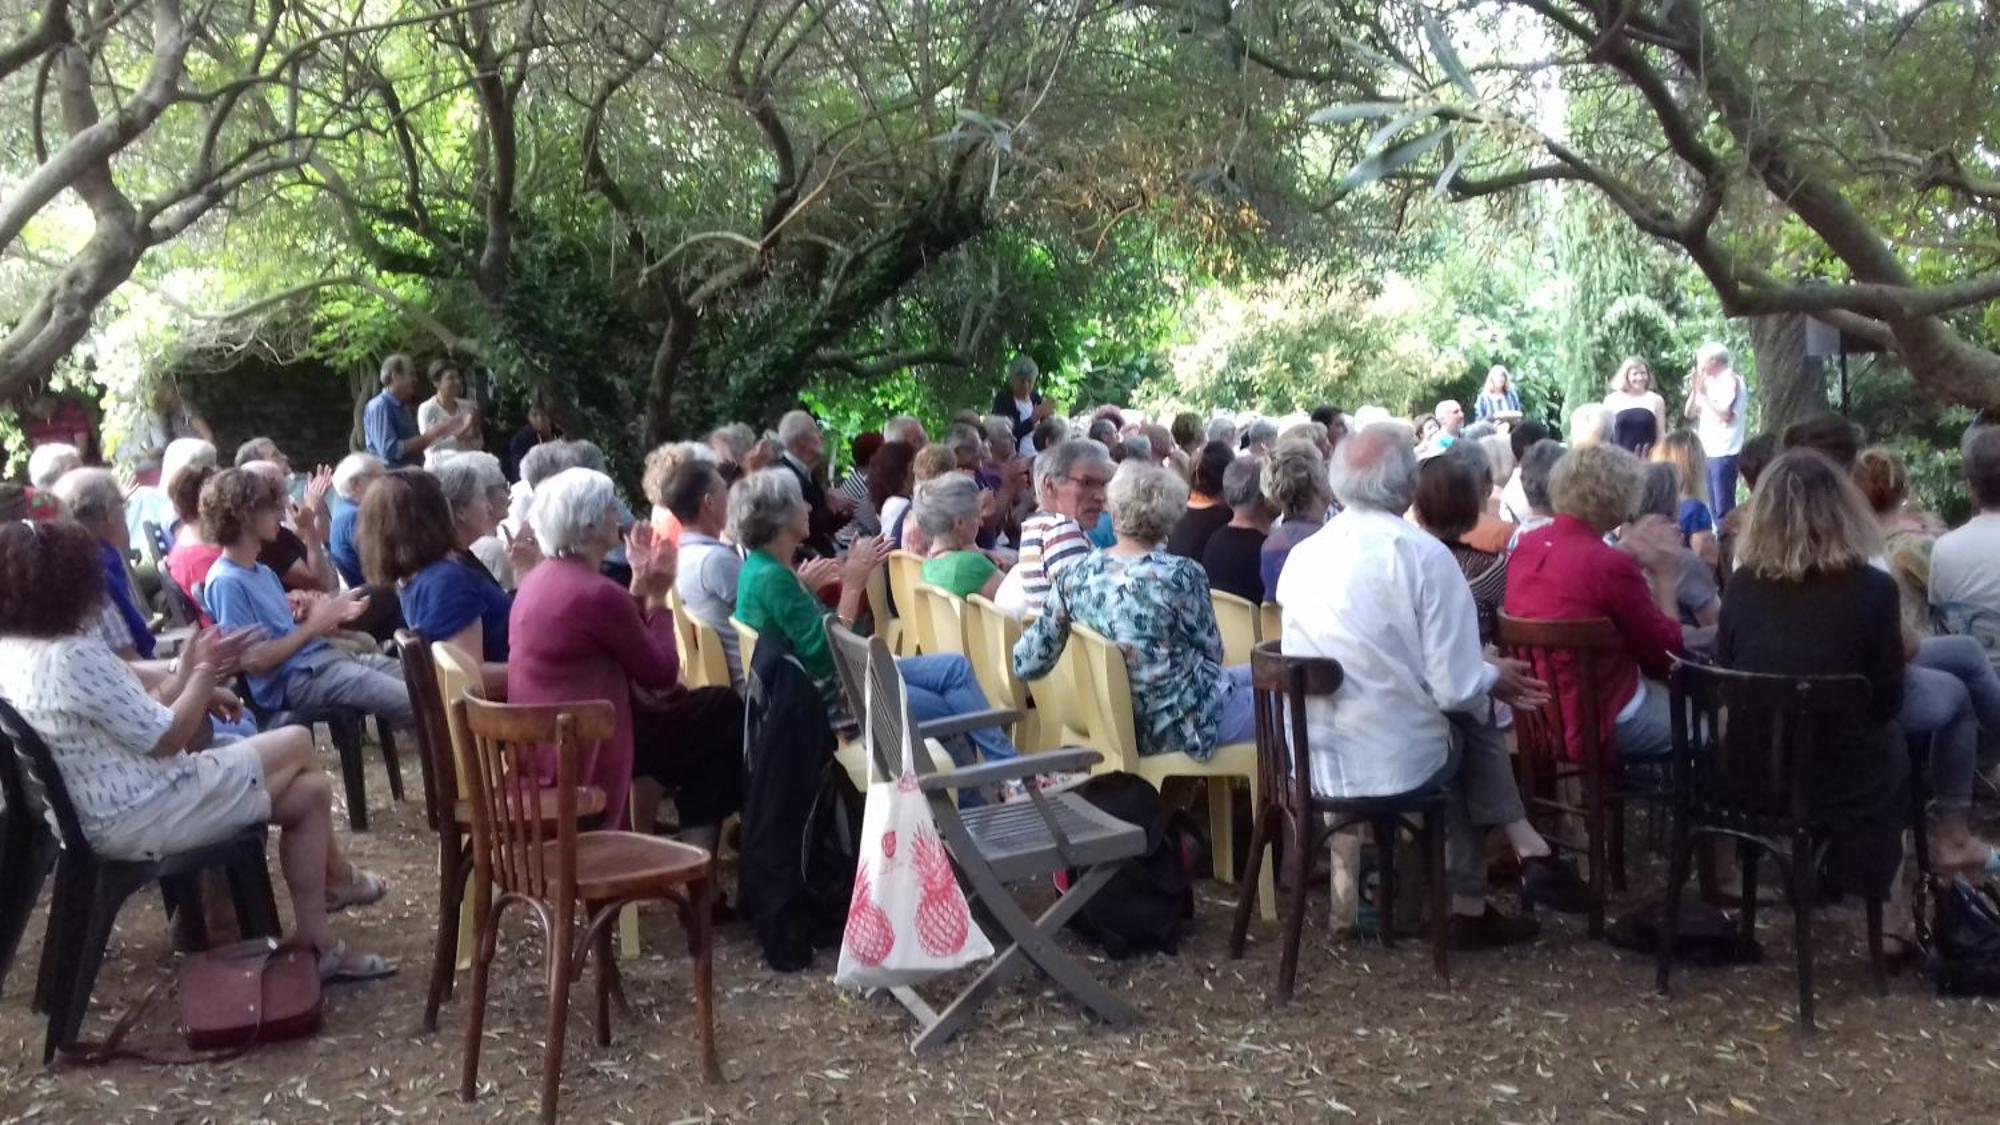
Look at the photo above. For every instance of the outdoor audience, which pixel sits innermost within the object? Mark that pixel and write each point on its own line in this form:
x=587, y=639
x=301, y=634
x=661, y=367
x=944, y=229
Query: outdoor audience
x=1234, y=555
x=1206, y=510
x=1070, y=481
x=947, y=508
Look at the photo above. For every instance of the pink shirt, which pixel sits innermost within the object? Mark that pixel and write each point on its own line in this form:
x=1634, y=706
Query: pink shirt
x=579, y=636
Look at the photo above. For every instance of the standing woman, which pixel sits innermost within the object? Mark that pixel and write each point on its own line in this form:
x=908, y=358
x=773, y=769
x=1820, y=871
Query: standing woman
x=447, y=404
x=1498, y=396
x=1638, y=413
x=1697, y=520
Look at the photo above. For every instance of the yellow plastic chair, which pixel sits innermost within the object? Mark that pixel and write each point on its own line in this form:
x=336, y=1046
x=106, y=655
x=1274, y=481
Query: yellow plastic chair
x=746, y=643
x=906, y=573
x=888, y=626
x=714, y=658
x=1236, y=618
x=1064, y=709
x=1270, y=622
x=945, y=631
x=694, y=674
x=1117, y=736
x=989, y=643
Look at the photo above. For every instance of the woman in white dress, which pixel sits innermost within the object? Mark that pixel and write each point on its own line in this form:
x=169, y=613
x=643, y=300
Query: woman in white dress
x=1638, y=413
x=449, y=402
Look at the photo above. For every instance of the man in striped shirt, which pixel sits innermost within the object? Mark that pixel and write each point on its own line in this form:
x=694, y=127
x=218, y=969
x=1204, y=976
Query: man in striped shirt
x=1069, y=483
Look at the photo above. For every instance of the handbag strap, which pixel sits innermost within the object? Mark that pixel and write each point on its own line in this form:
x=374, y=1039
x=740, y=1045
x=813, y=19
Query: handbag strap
x=908, y=748
x=112, y=1047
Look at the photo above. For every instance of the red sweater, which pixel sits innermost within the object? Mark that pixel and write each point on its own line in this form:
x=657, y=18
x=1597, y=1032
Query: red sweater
x=1566, y=572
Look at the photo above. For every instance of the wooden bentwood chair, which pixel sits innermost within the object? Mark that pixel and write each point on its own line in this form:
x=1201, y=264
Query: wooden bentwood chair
x=1292, y=818
x=1570, y=655
x=546, y=864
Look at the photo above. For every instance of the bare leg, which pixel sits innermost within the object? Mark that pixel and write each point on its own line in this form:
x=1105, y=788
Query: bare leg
x=288, y=757
x=301, y=807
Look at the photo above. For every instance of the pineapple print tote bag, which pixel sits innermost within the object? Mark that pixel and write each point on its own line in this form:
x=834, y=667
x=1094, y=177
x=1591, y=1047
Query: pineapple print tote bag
x=908, y=921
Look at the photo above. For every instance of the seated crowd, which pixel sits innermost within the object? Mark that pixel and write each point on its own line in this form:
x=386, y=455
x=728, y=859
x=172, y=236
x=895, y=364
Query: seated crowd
x=1392, y=548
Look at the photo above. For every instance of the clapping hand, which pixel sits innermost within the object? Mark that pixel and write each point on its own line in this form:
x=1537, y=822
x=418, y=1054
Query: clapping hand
x=866, y=553
x=818, y=574
x=334, y=612
x=840, y=505
x=220, y=651
x=524, y=551
x=652, y=559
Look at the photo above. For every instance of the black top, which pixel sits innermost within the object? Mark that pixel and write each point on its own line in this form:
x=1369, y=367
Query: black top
x=1834, y=625
x=1006, y=406
x=524, y=439
x=1190, y=536
x=283, y=553
x=1232, y=560
x=1635, y=428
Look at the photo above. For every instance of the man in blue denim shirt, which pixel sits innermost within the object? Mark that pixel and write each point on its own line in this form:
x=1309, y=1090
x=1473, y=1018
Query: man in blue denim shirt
x=390, y=424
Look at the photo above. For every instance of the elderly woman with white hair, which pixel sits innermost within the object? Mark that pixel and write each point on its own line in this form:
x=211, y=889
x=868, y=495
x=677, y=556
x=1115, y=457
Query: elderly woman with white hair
x=768, y=519
x=947, y=509
x=574, y=634
x=1156, y=607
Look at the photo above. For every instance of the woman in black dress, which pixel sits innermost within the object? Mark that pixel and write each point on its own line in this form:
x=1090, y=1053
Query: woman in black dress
x=1805, y=602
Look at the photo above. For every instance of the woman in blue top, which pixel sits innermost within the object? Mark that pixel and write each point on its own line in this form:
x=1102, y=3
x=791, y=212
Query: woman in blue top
x=414, y=536
x=1683, y=451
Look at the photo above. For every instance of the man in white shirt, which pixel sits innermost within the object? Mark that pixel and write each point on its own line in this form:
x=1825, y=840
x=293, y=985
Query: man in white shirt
x=1387, y=601
x=1965, y=564
x=1718, y=401
x=696, y=494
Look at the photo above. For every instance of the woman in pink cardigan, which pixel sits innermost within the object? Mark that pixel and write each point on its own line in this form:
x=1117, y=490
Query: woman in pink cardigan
x=576, y=635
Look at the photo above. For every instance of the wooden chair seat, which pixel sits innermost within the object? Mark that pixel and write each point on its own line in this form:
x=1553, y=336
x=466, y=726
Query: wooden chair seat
x=589, y=803
x=1015, y=840
x=615, y=865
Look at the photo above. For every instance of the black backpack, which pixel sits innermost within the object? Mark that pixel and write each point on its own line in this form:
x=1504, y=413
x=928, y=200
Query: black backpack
x=1965, y=940
x=1141, y=910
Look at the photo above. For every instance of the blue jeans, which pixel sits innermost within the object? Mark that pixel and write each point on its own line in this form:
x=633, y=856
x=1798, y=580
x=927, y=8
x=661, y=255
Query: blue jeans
x=942, y=685
x=1721, y=484
x=1649, y=731
x=1949, y=692
x=1239, y=711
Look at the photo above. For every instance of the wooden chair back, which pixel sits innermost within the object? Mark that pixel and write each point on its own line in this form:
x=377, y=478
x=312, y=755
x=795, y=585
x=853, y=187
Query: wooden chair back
x=179, y=603
x=1270, y=622
x=1568, y=656
x=746, y=644
x=1751, y=774
x=1281, y=685
x=1112, y=727
x=860, y=672
x=946, y=629
x=506, y=744
x=1236, y=618
x=434, y=756
x=906, y=573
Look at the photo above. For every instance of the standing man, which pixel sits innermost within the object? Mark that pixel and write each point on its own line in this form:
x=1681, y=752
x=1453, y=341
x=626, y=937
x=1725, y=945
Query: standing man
x=390, y=424
x=1021, y=404
x=805, y=447
x=1718, y=401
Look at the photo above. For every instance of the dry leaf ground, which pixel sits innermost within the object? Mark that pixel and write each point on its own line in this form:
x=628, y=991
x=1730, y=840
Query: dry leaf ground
x=1568, y=1030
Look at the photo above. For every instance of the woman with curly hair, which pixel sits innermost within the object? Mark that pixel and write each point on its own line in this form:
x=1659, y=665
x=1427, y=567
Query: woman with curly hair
x=135, y=767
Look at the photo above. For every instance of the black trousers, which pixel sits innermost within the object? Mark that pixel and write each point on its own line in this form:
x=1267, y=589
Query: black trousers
x=692, y=744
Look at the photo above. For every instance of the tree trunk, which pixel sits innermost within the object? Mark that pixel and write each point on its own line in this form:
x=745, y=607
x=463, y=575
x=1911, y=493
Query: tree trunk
x=1790, y=386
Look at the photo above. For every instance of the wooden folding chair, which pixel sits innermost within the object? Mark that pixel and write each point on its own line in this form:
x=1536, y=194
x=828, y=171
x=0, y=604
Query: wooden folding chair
x=906, y=573
x=1236, y=619
x=548, y=866
x=852, y=754
x=1114, y=730
x=993, y=845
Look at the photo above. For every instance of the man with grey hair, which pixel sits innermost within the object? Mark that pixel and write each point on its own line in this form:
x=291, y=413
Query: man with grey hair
x=1259, y=436
x=48, y=463
x=1386, y=600
x=1020, y=403
x=1223, y=430
x=1718, y=400
x=262, y=449
x=1070, y=479
x=805, y=450
x=1451, y=421
x=1965, y=564
x=352, y=478
x=389, y=421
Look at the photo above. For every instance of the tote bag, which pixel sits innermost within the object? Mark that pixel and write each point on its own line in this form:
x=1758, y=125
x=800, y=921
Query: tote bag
x=907, y=921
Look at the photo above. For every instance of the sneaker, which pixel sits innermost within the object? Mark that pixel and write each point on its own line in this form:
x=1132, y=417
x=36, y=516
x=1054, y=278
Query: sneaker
x=1491, y=930
x=1554, y=884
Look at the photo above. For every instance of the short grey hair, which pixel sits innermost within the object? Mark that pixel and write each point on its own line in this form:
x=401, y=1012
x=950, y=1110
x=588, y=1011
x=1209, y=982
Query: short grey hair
x=1062, y=459
x=1376, y=469
x=963, y=438
x=91, y=494
x=183, y=454
x=1311, y=432
x=256, y=449
x=588, y=456
x=1261, y=434
x=1294, y=477
x=1023, y=367
x=550, y=458
x=352, y=470
x=1590, y=425
x=905, y=429
x=1537, y=462
x=1474, y=457
x=1146, y=500
x=1140, y=446
x=1222, y=430
x=762, y=505
x=1712, y=352
x=943, y=502
x=1478, y=431
x=48, y=463
x=737, y=437
x=795, y=426
x=395, y=365
x=466, y=475
x=569, y=506
x=1242, y=485
x=271, y=471
x=999, y=430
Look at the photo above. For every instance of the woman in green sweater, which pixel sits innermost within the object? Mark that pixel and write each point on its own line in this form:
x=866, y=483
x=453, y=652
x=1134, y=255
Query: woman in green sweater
x=947, y=510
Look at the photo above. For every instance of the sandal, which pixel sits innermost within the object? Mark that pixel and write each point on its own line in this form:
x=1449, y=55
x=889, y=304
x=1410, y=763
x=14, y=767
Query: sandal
x=335, y=968
x=363, y=888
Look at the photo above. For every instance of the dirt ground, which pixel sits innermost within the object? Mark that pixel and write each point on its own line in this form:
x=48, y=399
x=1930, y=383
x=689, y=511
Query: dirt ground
x=1565, y=1030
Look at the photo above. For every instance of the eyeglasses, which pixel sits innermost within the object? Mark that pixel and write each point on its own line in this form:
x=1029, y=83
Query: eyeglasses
x=1086, y=482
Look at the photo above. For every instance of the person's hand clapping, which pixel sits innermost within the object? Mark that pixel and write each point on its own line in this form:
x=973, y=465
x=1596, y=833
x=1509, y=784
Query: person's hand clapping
x=1517, y=686
x=818, y=574
x=331, y=614
x=867, y=553
x=524, y=551
x=652, y=559
x=840, y=505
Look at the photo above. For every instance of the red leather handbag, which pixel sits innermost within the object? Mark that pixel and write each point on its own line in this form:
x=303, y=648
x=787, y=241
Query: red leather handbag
x=237, y=996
